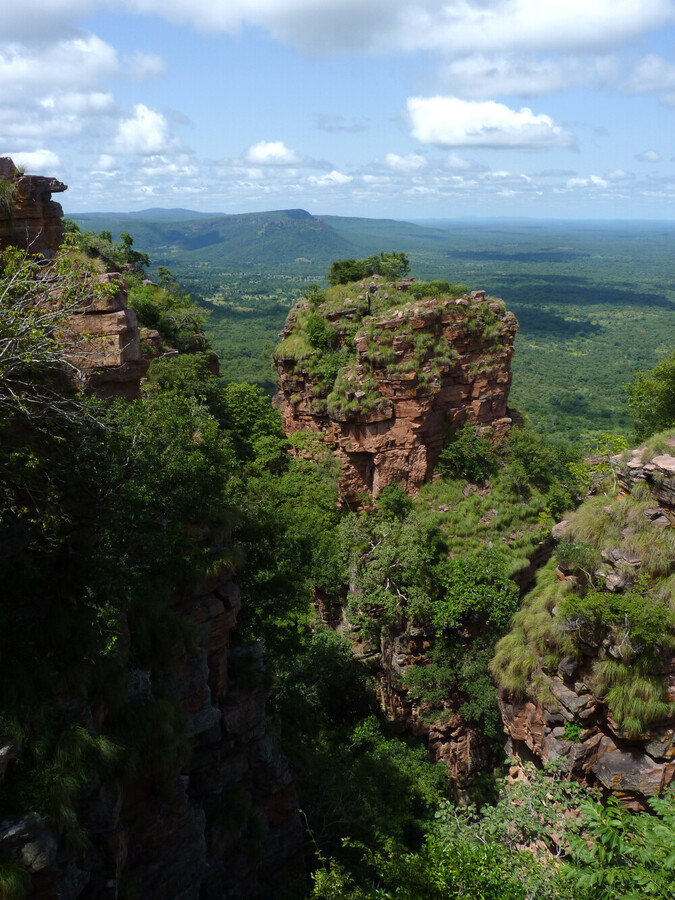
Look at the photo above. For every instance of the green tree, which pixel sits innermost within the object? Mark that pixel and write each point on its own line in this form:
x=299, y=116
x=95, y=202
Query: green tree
x=651, y=398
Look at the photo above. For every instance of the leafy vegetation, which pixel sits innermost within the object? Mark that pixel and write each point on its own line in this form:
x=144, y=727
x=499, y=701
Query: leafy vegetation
x=120, y=509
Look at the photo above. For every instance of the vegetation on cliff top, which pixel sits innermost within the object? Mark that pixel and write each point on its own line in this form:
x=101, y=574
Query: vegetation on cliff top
x=100, y=543
x=625, y=634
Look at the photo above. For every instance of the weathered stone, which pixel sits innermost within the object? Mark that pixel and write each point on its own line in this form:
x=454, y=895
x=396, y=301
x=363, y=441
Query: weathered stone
x=401, y=438
x=627, y=769
x=34, y=222
x=30, y=841
x=559, y=529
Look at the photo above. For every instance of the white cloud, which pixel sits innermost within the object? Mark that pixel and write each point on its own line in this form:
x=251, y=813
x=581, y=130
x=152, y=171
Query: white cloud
x=330, y=179
x=480, y=75
x=271, y=153
x=648, y=156
x=70, y=65
x=146, y=133
x=450, y=26
x=451, y=122
x=654, y=75
x=37, y=162
x=593, y=181
x=412, y=162
x=322, y=26
x=78, y=103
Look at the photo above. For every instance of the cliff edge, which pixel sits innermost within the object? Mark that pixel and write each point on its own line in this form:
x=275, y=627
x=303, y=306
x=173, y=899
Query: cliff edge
x=383, y=373
x=587, y=673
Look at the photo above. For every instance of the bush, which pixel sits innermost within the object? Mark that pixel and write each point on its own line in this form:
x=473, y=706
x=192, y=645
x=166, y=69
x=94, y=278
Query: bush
x=475, y=589
x=471, y=455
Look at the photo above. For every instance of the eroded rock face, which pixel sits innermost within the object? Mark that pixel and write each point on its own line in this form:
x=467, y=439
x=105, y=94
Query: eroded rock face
x=229, y=822
x=422, y=395
x=575, y=726
x=109, y=356
x=449, y=738
x=33, y=220
x=105, y=341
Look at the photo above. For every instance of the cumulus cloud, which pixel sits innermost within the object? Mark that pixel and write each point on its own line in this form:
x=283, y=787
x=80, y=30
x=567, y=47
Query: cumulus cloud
x=37, y=162
x=26, y=72
x=271, y=153
x=452, y=26
x=451, y=122
x=412, y=162
x=648, y=156
x=654, y=75
x=80, y=103
x=330, y=179
x=324, y=26
x=146, y=133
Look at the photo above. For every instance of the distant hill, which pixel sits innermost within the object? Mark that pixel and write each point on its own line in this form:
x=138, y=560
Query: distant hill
x=289, y=238
x=257, y=240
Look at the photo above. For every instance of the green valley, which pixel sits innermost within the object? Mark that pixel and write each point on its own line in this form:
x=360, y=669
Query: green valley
x=594, y=300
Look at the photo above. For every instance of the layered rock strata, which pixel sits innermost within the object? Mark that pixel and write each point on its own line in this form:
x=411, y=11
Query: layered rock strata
x=420, y=371
x=107, y=346
x=102, y=338
x=566, y=718
x=29, y=217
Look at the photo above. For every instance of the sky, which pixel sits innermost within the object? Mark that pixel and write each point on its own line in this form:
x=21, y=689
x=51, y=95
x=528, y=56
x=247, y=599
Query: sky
x=409, y=109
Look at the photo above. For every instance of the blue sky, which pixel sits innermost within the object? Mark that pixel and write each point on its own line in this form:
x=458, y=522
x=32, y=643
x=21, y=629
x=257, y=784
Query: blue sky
x=397, y=108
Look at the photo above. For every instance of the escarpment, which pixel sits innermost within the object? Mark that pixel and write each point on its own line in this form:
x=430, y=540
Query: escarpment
x=28, y=216
x=383, y=379
x=587, y=673
x=101, y=335
x=216, y=827
x=137, y=758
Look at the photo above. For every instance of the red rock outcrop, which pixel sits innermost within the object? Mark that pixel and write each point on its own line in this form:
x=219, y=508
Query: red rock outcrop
x=566, y=718
x=108, y=352
x=30, y=219
x=103, y=336
x=420, y=371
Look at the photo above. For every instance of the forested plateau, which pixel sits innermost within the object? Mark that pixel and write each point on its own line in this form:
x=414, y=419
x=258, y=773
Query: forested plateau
x=255, y=649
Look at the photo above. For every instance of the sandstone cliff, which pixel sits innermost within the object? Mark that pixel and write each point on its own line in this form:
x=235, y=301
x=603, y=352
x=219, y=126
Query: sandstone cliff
x=102, y=335
x=28, y=216
x=384, y=391
x=587, y=673
x=214, y=813
x=225, y=824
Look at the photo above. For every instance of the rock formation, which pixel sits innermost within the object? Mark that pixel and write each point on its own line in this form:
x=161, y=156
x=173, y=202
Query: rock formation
x=566, y=710
x=229, y=821
x=226, y=824
x=410, y=376
x=103, y=335
x=111, y=363
x=28, y=216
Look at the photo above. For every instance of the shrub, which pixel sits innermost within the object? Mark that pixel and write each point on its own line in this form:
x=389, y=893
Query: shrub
x=470, y=455
x=475, y=588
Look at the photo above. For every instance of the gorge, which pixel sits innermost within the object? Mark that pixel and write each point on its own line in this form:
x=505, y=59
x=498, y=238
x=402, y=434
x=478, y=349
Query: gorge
x=217, y=615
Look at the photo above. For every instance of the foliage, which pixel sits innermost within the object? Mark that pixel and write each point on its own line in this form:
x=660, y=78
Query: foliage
x=625, y=855
x=636, y=621
x=41, y=349
x=475, y=589
x=651, y=398
x=389, y=265
x=471, y=455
